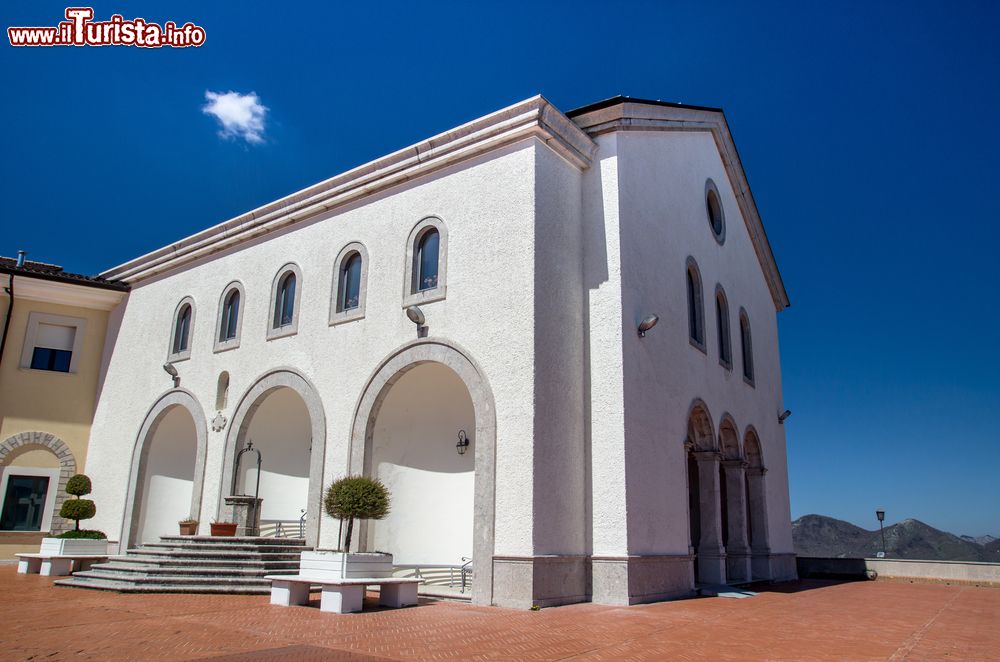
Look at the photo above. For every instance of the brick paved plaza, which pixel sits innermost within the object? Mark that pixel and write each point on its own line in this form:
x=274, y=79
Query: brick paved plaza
x=811, y=620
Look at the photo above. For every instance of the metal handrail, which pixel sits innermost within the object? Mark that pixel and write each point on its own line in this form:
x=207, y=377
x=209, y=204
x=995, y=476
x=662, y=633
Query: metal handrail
x=466, y=569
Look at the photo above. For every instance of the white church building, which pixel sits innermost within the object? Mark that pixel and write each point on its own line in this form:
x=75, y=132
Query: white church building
x=470, y=319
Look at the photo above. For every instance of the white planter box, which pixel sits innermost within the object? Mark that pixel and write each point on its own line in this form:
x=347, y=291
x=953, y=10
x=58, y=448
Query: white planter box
x=73, y=547
x=338, y=565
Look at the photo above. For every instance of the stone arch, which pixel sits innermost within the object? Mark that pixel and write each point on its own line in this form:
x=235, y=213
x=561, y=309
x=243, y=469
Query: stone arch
x=242, y=416
x=751, y=448
x=449, y=354
x=67, y=465
x=701, y=434
x=759, y=537
x=729, y=440
x=177, y=397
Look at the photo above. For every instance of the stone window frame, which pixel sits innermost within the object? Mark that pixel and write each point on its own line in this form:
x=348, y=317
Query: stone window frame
x=711, y=190
x=51, y=491
x=746, y=348
x=31, y=337
x=691, y=269
x=412, y=296
x=722, y=327
x=185, y=354
x=338, y=316
x=291, y=329
x=234, y=342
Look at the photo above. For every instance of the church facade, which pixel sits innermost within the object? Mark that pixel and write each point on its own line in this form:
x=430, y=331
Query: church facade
x=552, y=335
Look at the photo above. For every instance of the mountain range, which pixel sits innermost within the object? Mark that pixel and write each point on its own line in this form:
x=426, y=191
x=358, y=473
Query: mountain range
x=817, y=535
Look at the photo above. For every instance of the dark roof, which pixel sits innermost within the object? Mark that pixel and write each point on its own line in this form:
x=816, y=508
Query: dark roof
x=54, y=272
x=614, y=101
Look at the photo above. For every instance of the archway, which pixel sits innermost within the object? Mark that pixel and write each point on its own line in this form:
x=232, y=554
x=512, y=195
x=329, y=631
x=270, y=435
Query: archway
x=282, y=411
x=25, y=442
x=381, y=445
x=704, y=510
x=756, y=507
x=168, y=468
x=733, y=499
x=414, y=453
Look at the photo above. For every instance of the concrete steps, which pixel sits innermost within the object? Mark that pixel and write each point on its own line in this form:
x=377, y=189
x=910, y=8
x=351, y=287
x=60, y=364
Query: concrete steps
x=194, y=564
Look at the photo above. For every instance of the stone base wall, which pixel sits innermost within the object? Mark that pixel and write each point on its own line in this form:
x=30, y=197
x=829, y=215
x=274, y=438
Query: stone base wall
x=522, y=582
x=630, y=580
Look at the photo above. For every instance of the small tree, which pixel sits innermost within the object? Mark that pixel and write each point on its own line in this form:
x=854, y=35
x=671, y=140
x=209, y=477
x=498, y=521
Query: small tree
x=77, y=509
x=356, y=497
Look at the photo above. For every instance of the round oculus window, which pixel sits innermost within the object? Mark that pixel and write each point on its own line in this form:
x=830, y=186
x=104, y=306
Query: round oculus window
x=716, y=219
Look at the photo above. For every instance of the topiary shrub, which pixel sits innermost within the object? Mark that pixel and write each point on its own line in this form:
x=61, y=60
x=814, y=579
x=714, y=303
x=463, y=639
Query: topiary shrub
x=356, y=497
x=78, y=509
x=83, y=534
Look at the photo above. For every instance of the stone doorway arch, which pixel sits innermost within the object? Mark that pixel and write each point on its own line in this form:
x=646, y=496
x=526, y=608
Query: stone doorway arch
x=399, y=362
x=243, y=416
x=67, y=465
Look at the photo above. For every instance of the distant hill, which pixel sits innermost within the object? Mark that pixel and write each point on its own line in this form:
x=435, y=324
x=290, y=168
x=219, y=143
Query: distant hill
x=816, y=535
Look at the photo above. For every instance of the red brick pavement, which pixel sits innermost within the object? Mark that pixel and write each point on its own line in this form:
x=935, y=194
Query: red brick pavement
x=804, y=621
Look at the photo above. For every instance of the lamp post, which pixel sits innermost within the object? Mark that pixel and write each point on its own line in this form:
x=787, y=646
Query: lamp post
x=880, y=514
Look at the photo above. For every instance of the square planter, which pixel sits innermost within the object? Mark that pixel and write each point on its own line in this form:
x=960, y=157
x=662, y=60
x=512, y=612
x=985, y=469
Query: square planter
x=189, y=529
x=338, y=565
x=73, y=547
x=223, y=529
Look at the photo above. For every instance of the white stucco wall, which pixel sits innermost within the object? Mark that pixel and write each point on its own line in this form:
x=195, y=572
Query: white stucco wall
x=662, y=189
x=488, y=206
x=169, y=477
x=431, y=485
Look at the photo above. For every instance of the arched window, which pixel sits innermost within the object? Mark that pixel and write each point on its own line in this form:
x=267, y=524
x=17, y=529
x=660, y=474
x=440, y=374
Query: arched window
x=427, y=262
x=227, y=334
x=722, y=328
x=181, y=333
x=350, y=283
x=746, y=345
x=285, y=294
x=696, y=311
x=284, y=304
x=230, y=316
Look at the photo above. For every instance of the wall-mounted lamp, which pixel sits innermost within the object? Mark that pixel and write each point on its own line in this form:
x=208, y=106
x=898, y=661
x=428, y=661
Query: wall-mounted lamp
x=647, y=323
x=172, y=371
x=463, y=442
x=783, y=415
x=416, y=315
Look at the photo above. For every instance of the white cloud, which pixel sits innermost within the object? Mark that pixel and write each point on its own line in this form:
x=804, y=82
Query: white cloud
x=240, y=115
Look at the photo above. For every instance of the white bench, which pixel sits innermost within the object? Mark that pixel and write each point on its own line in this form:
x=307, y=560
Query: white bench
x=55, y=566
x=342, y=596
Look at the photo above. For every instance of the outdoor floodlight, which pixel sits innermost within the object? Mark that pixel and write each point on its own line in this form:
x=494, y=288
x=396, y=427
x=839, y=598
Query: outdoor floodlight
x=783, y=415
x=172, y=371
x=416, y=315
x=647, y=323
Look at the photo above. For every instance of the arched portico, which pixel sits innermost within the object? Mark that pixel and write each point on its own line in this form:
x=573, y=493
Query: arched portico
x=756, y=506
x=139, y=473
x=390, y=371
x=704, y=502
x=733, y=499
x=252, y=401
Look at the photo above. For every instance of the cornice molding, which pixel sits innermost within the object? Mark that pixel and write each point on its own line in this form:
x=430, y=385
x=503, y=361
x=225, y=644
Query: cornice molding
x=638, y=116
x=534, y=117
x=65, y=294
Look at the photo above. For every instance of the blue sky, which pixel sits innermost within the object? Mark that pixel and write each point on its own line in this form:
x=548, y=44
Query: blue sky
x=868, y=130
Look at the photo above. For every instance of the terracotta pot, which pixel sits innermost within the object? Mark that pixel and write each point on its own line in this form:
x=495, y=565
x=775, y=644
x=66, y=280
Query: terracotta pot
x=189, y=529
x=223, y=529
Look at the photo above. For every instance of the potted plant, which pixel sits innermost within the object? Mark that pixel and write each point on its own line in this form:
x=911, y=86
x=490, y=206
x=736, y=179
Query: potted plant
x=76, y=541
x=351, y=498
x=189, y=527
x=223, y=528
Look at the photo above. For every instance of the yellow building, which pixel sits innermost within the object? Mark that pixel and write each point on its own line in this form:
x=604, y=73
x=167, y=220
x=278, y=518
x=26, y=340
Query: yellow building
x=54, y=326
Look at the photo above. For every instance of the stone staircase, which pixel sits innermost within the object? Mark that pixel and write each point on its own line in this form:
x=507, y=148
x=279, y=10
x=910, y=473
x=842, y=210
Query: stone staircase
x=194, y=564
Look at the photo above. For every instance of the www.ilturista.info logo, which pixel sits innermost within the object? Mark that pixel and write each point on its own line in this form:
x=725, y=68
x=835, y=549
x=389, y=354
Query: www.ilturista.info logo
x=79, y=29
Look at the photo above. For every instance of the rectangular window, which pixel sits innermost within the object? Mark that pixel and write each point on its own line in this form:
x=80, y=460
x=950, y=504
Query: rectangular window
x=53, y=347
x=24, y=503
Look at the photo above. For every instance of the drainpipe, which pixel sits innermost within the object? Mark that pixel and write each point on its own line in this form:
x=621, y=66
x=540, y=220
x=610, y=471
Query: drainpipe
x=10, y=308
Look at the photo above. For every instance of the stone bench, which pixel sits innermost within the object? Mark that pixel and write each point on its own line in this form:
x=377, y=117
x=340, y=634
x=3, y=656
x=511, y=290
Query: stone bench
x=342, y=596
x=55, y=566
